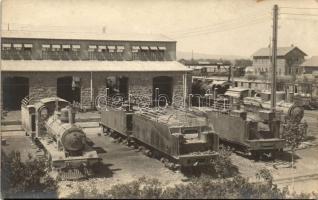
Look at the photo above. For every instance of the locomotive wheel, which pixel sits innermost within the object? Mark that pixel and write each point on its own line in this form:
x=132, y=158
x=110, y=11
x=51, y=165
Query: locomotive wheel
x=177, y=167
x=256, y=155
x=135, y=145
x=105, y=130
x=148, y=153
x=156, y=155
x=276, y=153
x=140, y=148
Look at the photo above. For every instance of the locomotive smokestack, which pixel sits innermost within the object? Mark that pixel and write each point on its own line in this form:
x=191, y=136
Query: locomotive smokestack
x=71, y=115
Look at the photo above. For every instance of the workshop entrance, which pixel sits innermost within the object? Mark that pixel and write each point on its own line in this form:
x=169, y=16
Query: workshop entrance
x=69, y=88
x=14, y=89
x=117, y=86
x=162, y=90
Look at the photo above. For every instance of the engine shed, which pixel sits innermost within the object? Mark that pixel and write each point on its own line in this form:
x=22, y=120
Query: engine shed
x=80, y=68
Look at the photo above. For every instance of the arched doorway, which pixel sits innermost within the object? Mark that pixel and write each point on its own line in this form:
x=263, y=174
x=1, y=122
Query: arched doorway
x=162, y=85
x=69, y=88
x=14, y=90
x=118, y=85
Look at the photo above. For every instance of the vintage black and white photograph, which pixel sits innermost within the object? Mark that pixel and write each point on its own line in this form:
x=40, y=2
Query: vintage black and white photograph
x=159, y=99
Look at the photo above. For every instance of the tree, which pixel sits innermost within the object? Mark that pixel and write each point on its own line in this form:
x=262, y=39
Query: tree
x=294, y=134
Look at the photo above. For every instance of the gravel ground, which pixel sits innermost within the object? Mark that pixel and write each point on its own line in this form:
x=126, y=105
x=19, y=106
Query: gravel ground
x=122, y=164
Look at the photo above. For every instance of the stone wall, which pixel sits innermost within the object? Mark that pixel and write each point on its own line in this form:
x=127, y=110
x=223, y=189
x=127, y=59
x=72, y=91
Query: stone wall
x=44, y=84
x=140, y=84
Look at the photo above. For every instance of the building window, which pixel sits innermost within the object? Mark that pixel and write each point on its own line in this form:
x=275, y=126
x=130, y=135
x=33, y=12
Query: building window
x=65, y=53
x=55, y=53
x=92, y=52
x=101, y=52
x=144, y=53
x=75, y=53
x=111, y=53
x=27, y=51
x=153, y=53
x=120, y=52
x=161, y=52
x=17, y=52
x=46, y=48
x=135, y=52
x=5, y=53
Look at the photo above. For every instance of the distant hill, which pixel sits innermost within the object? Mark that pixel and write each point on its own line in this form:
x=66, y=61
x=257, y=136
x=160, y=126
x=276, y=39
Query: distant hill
x=188, y=55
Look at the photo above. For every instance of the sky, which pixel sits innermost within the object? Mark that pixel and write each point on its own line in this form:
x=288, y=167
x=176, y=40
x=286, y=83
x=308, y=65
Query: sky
x=218, y=27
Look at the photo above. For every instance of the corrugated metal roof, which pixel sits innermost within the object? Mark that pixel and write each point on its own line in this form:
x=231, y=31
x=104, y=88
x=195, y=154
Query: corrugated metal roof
x=281, y=51
x=88, y=66
x=312, y=62
x=85, y=36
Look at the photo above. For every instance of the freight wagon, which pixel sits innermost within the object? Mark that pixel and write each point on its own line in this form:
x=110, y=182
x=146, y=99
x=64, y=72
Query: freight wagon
x=176, y=137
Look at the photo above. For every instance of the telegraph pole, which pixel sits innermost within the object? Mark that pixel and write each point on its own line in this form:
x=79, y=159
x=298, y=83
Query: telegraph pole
x=274, y=61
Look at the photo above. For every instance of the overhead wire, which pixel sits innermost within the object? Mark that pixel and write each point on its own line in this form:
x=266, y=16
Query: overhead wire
x=300, y=8
x=220, y=23
x=304, y=14
x=224, y=29
x=299, y=19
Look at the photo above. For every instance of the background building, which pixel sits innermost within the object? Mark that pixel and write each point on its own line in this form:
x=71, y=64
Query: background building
x=310, y=66
x=288, y=60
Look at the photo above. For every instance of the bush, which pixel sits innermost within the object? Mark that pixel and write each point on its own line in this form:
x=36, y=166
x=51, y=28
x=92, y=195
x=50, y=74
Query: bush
x=203, y=187
x=26, y=179
x=222, y=165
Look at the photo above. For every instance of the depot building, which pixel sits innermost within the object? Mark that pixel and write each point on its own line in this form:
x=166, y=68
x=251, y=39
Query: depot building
x=81, y=67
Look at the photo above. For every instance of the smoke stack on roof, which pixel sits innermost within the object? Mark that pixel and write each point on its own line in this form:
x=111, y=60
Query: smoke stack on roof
x=292, y=45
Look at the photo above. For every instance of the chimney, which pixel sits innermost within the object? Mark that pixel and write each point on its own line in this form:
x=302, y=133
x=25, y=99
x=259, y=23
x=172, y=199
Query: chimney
x=292, y=45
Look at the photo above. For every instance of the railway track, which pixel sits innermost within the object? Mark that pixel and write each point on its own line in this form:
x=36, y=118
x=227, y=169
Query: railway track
x=301, y=178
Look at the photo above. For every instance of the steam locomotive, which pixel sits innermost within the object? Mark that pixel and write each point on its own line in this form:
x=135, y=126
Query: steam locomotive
x=179, y=139
x=51, y=124
x=247, y=122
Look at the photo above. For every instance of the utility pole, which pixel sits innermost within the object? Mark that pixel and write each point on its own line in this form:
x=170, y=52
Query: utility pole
x=274, y=55
x=192, y=56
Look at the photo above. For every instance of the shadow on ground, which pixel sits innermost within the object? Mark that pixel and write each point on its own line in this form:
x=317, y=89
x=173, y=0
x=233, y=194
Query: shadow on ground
x=103, y=171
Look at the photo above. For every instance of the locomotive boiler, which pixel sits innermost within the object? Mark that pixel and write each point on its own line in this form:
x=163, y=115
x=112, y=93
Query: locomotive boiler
x=69, y=137
x=51, y=123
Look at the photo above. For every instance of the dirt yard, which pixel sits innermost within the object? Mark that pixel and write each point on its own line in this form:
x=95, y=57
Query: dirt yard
x=123, y=164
